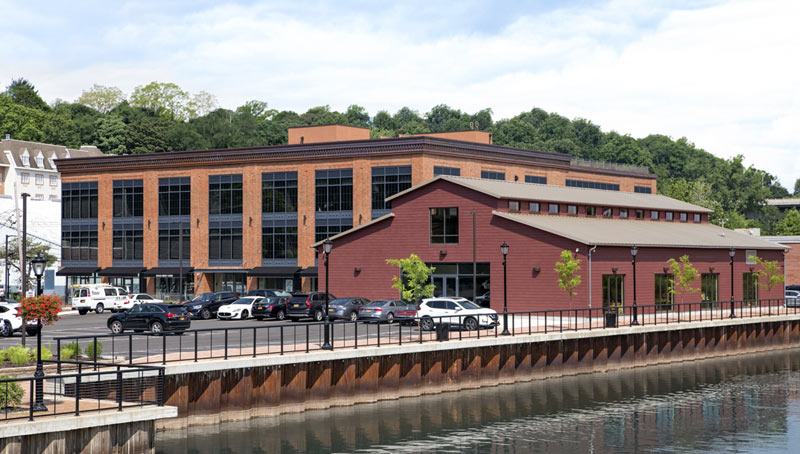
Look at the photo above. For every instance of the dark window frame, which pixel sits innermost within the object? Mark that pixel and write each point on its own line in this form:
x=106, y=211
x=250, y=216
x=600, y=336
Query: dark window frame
x=79, y=200
x=388, y=181
x=333, y=190
x=535, y=179
x=279, y=192
x=449, y=225
x=493, y=175
x=591, y=185
x=175, y=196
x=446, y=171
x=169, y=241
x=127, y=242
x=278, y=241
x=128, y=198
x=225, y=194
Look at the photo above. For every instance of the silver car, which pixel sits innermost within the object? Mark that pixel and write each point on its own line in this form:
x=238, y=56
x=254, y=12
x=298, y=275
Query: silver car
x=346, y=308
x=792, y=298
x=387, y=311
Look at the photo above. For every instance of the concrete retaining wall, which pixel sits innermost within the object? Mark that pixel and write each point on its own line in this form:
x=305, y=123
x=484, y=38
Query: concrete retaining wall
x=216, y=391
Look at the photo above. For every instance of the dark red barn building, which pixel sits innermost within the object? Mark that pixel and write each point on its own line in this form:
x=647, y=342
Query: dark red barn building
x=435, y=221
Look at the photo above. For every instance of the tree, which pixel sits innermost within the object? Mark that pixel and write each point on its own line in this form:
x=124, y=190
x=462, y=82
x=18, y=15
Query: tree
x=769, y=273
x=163, y=99
x=683, y=275
x=101, y=98
x=790, y=224
x=567, y=269
x=797, y=187
x=200, y=104
x=34, y=248
x=25, y=94
x=412, y=283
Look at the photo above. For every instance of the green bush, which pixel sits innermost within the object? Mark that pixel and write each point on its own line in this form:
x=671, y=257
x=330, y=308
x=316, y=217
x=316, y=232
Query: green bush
x=10, y=393
x=70, y=351
x=46, y=353
x=19, y=356
x=3, y=357
x=94, y=349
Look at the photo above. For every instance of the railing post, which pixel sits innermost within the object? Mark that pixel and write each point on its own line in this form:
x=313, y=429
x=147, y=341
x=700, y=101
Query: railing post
x=308, y=331
x=226, y=343
x=419, y=326
x=130, y=348
x=560, y=321
x=78, y=390
x=160, y=388
x=281, y=339
x=163, y=348
x=254, y=342
x=379, y=332
x=400, y=331
x=58, y=355
x=119, y=389
x=195, y=345
x=355, y=336
x=94, y=353
x=32, y=393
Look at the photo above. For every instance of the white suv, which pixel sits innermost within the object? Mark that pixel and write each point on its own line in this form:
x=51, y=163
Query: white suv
x=455, y=312
x=98, y=297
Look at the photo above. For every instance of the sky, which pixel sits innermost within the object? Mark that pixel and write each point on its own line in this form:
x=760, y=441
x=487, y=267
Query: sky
x=724, y=74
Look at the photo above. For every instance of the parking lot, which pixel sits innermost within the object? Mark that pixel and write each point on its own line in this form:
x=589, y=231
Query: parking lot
x=269, y=336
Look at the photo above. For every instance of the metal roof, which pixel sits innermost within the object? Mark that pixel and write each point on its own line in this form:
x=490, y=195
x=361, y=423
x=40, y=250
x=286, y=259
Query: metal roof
x=788, y=239
x=643, y=233
x=792, y=201
x=562, y=194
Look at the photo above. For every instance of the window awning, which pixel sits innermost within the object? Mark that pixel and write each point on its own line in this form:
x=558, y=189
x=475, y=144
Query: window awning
x=167, y=271
x=121, y=271
x=222, y=270
x=77, y=271
x=274, y=271
x=310, y=271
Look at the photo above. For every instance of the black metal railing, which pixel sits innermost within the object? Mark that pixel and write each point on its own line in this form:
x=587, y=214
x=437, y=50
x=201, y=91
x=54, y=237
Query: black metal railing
x=279, y=339
x=82, y=387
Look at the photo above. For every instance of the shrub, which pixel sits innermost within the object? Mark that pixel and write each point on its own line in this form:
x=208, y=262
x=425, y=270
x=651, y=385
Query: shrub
x=94, y=349
x=70, y=351
x=3, y=357
x=10, y=393
x=47, y=353
x=19, y=356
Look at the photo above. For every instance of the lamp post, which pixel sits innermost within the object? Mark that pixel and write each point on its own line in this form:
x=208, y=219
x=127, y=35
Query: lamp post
x=732, y=253
x=38, y=265
x=634, y=251
x=327, y=245
x=504, y=249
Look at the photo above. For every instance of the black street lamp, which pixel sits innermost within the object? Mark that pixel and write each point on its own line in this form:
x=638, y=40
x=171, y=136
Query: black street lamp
x=634, y=251
x=327, y=245
x=504, y=249
x=732, y=253
x=38, y=265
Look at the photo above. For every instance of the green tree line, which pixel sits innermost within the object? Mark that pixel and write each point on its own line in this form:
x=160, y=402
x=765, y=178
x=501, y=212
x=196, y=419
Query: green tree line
x=160, y=117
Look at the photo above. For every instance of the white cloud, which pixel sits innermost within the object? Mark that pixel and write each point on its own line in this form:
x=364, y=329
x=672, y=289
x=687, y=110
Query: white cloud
x=725, y=75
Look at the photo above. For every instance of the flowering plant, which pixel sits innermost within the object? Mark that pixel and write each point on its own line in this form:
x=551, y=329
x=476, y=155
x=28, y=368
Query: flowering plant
x=44, y=308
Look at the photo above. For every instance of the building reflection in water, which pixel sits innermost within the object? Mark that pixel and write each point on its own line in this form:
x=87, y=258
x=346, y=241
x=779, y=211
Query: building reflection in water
x=738, y=403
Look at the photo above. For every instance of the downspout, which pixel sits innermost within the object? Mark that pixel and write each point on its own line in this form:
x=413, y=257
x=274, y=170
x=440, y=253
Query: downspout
x=591, y=249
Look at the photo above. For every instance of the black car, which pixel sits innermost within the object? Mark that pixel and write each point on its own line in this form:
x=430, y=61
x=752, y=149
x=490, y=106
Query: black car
x=155, y=318
x=346, y=308
x=271, y=307
x=308, y=305
x=205, y=305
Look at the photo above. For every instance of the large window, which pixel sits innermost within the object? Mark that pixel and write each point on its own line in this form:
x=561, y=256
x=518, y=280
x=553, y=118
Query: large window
x=79, y=242
x=128, y=243
x=334, y=189
x=456, y=280
x=79, y=200
x=326, y=228
x=128, y=198
x=444, y=225
x=450, y=171
x=663, y=295
x=279, y=192
x=593, y=185
x=388, y=181
x=491, y=175
x=613, y=291
x=642, y=189
x=225, y=240
x=750, y=287
x=174, y=196
x=278, y=240
x=535, y=179
x=170, y=241
x=225, y=194
x=709, y=288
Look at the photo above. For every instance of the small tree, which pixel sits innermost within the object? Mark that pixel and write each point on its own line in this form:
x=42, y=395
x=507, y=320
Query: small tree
x=684, y=274
x=412, y=283
x=567, y=269
x=769, y=275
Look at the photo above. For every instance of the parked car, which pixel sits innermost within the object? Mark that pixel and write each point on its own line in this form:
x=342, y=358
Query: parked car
x=272, y=306
x=455, y=312
x=134, y=299
x=98, y=297
x=155, y=318
x=206, y=305
x=387, y=311
x=267, y=292
x=10, y=321
x=308, y=305
x=240, y=309
x=792, y=298
x=788, y=287
x=346, y=308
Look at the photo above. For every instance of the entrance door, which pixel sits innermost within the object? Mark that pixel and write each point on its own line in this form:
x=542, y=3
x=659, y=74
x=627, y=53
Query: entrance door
x=445, y=286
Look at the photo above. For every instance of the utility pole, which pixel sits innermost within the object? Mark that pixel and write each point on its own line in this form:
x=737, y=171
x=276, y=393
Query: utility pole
x=5, y=274
x=24, y=256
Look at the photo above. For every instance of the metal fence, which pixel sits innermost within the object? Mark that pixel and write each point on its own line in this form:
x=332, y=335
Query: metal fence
x=255, y=340
x=85, y=387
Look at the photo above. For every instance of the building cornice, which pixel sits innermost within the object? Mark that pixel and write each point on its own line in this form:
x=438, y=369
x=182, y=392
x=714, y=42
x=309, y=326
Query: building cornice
x=326, y=151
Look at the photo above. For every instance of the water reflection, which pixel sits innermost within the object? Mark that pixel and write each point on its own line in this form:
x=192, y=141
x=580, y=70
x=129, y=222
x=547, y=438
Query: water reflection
x=747, y=403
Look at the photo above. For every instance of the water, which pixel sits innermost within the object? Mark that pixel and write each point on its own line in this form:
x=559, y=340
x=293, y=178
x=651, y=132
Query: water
x=748, y=403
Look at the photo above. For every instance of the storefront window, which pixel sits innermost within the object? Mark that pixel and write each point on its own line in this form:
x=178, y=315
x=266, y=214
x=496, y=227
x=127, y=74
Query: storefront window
x=230, y=282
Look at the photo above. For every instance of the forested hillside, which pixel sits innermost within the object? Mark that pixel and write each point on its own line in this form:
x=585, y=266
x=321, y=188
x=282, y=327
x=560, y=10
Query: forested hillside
x=162, y=117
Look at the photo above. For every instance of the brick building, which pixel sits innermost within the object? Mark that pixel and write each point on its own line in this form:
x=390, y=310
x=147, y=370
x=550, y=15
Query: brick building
x=434, y=221
x=245, y=218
